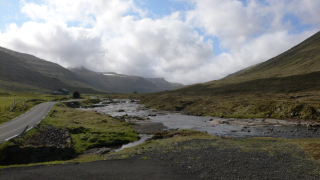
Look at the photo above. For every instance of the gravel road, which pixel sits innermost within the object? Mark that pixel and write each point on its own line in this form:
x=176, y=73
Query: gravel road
x=114, y=169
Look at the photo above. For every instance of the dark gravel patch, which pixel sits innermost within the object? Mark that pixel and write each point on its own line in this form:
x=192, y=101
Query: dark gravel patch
x=209, y=162
x=49, y=135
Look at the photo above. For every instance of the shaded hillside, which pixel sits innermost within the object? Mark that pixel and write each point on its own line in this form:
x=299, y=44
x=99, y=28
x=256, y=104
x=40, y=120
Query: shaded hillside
x=286, y=86
x=24, y=72
x=301, y=59
x=163, y=85
x=117, y=83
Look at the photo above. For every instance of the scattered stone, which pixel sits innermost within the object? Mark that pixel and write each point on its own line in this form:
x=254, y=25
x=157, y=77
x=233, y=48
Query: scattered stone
x=121, y=110
x=98, y=151
x=270, y=129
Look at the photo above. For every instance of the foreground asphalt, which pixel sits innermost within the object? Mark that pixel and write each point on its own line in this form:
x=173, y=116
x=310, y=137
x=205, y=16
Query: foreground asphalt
x=31, y=118
x=113, y=169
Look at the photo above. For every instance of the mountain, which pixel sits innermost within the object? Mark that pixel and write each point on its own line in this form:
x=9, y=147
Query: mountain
x=27, y=73
x=24, y=72
x=286, y=86
x=163, y=85
x=297, y=69
x=301, y=59
x=121, y=83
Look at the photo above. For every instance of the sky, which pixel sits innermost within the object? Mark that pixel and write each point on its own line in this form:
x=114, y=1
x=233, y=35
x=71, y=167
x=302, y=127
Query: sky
x=183, y=41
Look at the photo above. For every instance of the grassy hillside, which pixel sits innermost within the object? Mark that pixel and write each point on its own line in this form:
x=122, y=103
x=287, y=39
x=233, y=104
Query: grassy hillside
x=26, y=73
x=301, y=59
x=286, y=86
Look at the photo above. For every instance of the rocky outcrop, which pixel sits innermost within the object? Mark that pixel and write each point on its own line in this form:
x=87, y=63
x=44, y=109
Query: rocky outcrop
x=49, y=144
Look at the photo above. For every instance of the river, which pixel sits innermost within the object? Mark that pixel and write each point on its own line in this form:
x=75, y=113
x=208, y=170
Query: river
x=132, y=111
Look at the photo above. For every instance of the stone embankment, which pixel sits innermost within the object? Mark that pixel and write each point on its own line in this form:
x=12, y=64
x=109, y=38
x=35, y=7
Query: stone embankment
x=49, y=144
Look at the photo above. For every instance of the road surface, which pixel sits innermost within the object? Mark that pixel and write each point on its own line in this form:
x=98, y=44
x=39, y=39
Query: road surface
x=31, y=118
x=113, y=169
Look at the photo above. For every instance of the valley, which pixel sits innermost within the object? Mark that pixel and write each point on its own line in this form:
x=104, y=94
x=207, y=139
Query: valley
x=260, y=122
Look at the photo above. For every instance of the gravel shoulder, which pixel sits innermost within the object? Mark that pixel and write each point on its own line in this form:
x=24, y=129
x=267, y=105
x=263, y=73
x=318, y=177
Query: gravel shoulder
x=114, y=169
x=199, y=159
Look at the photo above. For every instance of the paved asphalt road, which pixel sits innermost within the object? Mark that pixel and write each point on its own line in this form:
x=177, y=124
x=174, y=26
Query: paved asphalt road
x=31, y=118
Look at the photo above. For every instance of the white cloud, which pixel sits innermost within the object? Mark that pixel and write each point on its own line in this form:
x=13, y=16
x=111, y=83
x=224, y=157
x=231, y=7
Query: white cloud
x=118, y=36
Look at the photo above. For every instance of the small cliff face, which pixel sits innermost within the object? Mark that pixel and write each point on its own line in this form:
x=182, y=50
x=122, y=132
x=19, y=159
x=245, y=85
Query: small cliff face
x=49, y=144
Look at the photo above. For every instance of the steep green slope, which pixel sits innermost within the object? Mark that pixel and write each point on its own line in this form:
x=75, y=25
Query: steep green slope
x=25, y=73
x=301, y=59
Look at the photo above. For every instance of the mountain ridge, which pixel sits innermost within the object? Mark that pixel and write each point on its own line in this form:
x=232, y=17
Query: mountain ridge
x=27, y=73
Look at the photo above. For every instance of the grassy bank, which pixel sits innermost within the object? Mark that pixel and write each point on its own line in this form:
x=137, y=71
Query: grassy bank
x=89, y=129
x=21, y=102
x=302, y=105
x=311, y=147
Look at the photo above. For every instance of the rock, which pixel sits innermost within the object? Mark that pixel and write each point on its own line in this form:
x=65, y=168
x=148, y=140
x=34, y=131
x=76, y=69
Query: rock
x=152, y=115
x=13, y=149
x=248, y=130
x=222, y=116
x=223, y=122
x=46, y=150
x=309, y=127
x=211, y=120
x=296, y=130
x=270, y=129
x=315, y=129
x=104, y=151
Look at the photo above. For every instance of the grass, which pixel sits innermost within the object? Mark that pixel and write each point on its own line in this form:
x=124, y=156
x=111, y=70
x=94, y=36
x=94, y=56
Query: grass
x=23, y=103
x=89, y=129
